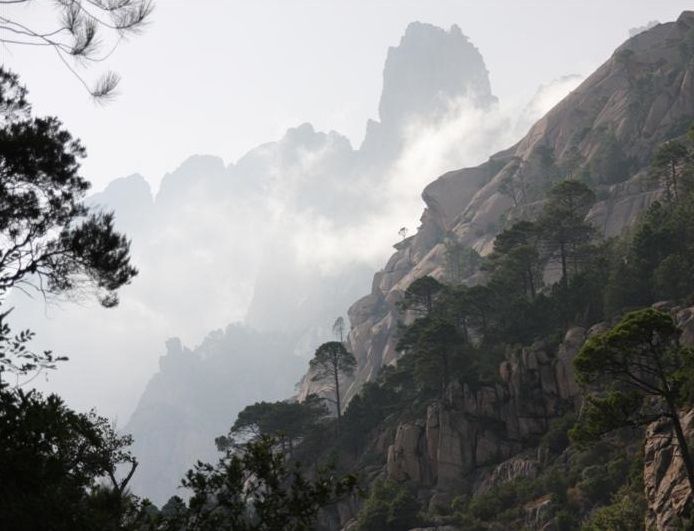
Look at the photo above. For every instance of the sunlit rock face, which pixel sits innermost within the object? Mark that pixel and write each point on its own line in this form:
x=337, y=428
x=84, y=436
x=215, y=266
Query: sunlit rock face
x=607, y=128
x=477, y=438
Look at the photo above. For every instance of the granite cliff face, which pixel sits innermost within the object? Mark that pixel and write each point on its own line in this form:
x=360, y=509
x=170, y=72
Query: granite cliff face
x=667, y=488
x=641, y=96
x=477, y=439
x=473, y=439
x=480, y=438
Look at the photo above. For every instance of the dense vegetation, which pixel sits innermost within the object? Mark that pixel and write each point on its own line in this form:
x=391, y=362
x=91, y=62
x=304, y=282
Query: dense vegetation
x=545, y=274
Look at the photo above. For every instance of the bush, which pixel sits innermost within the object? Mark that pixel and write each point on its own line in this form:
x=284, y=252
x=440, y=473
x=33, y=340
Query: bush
x=389, y=507
x=556, y=440
x=626, y=512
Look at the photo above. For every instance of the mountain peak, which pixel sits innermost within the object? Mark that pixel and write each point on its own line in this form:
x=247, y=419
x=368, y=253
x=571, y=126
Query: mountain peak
x=687, y=17
x=429, y=68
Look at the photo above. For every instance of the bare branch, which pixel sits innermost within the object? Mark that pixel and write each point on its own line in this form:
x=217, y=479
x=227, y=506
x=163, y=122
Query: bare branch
x=81, y=25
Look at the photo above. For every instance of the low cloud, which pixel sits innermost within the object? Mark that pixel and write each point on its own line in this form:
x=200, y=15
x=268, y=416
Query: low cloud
x=292, y=231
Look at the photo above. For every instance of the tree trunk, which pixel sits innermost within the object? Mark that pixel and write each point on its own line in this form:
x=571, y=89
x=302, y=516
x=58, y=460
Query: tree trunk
x=337, y=397
x=445, y=375
x=564, y=277
x=531, y=283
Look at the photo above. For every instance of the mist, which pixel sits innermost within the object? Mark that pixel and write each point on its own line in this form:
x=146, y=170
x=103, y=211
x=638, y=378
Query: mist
x=261, y=206
x=307, y=204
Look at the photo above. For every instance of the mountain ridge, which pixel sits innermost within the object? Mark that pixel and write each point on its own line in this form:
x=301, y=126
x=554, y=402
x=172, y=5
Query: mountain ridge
x=464, y=204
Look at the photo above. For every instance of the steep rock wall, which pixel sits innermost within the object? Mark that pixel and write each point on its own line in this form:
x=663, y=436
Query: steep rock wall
x=458, y=441
x=640, y=97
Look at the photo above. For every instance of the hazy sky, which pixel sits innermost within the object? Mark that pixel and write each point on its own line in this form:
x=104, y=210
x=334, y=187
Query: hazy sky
x=222, y=76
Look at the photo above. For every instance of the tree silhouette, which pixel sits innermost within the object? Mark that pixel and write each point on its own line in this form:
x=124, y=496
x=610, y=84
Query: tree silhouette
x=254, y=488
x=668, y=167
x=59, y=468
x=331, y=361
x=516, y=257
x=420, y=296
x=563, y=223
x=285, y=421
x=49, y=240
x=339, y=328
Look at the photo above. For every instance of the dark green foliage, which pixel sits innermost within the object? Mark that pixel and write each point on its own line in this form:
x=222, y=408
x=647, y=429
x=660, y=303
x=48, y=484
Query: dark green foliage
x=572, y=486
x=655, y=264
x=254, y=487
x=669, y=169
x=51, y=241
x=59, y=469
x=364, y=412
x=459, y=333
x=329, y=363
x=556, y=439
x=565, y=233
x=421, y=295
x=288, y=422
x=639, y=358
x=625, y=513
x=515, y=263
x=627, y=506
x=436, y=350
x=390, y=507
x=502, y=505
x=461, y=261
x=52, y=463
x=646, y=340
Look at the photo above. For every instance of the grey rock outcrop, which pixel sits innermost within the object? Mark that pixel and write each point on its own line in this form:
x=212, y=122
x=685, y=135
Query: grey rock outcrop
x=475, y=437
x=665, y=478
x=427, y=72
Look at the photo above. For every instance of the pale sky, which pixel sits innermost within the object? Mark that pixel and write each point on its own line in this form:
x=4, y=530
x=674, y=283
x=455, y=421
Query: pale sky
x=222, y=76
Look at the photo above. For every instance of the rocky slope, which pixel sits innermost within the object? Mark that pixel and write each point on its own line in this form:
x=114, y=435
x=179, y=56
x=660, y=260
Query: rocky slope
x=482, y=438
x=604, y=132
x=474, y=439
